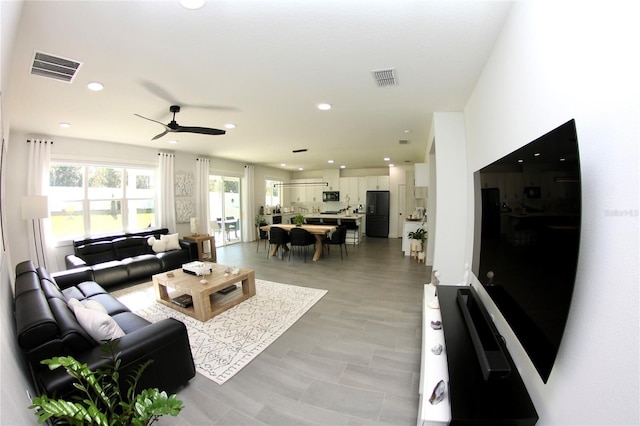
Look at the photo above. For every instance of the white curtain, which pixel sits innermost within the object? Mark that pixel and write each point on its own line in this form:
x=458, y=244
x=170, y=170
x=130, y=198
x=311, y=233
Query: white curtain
x=249, y=205
x=166, y=195
x=38, y=164
x=202, y=194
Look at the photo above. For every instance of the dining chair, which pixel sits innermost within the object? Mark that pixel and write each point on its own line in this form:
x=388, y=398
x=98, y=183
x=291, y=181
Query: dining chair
x=279, y=237
x=338, y=238
x=302, y=239
x=230, y=224
x=262, y=235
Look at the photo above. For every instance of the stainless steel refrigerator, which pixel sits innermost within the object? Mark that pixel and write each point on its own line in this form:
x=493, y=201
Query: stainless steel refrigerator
x=378, y=214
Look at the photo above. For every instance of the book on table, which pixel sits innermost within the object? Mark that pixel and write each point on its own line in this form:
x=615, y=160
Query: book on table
x=183, y=300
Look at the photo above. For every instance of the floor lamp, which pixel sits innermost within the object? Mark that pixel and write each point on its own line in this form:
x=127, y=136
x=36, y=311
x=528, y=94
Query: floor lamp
x=36, y=207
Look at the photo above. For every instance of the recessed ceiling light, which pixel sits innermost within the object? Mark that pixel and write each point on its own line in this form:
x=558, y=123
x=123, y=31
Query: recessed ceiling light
x=95, y=86
x=391, y=165
x=173, y=141
x=300, y=168
x=520, y=160
x=407, y=131
x=537, y=154
x=563, y=159
x=343, y=166
x=191, y=4
x=324, y=107
x=283, y=164
x=330, y=161
x=229, y=126
x=387, y=159
x=65, y=125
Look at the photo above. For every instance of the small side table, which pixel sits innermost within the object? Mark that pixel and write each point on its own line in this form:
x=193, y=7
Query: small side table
x=200, y=240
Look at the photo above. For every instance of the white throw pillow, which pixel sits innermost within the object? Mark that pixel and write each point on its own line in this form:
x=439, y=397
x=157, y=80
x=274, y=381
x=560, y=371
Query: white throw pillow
x=158, y=246
x=96, y=306
x=89, y=304
x=97, y=324
x=172, y=241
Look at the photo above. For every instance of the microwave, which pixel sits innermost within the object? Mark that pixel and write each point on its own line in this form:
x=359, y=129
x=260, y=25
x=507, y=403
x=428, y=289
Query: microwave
x=331, y=196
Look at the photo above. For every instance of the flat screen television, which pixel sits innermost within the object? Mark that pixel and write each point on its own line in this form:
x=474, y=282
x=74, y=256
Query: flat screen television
x=530, y=207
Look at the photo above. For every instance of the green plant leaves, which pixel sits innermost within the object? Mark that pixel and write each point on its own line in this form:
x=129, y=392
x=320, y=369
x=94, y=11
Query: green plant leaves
x=104, y=404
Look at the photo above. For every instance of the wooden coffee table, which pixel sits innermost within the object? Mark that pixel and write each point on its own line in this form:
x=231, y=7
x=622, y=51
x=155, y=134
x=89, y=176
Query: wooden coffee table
x=207, y=299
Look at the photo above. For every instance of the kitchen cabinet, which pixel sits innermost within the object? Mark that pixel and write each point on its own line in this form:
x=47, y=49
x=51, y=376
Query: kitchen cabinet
x=378, y=183
x=313, y=193
x=332, y=177
x=305, y=193
x=362, y=190
x=297, y=191
x=421, y=174
x=349, y=188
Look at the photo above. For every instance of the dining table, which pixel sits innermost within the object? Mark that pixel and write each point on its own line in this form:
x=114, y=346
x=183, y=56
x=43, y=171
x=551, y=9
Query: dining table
x=319, y=231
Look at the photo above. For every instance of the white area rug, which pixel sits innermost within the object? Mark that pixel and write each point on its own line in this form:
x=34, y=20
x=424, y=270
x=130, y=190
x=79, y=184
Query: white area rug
x=223, y=345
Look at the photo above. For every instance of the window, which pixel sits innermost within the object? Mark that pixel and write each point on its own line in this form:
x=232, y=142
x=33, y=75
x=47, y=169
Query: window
x=273, y=190
x=97, y=199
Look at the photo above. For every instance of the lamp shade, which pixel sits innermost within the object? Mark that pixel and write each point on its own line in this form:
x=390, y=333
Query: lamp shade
x=35, y=207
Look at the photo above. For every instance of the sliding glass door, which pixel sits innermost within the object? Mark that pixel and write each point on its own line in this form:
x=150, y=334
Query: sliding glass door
x=224, y=204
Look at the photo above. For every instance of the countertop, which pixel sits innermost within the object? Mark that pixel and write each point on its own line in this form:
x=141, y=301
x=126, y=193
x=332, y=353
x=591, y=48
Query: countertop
x=335, y=216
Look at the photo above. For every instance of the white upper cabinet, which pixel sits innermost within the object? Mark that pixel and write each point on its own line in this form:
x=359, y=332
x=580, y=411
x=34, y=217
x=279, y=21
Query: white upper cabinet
x=378, y=183
x=333, y=178
x=350, y=187
x=421, y=174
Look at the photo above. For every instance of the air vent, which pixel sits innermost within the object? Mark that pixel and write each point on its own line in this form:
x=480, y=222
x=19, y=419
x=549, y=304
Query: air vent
x=385, y=77
x=403, y=142
x=46, y=65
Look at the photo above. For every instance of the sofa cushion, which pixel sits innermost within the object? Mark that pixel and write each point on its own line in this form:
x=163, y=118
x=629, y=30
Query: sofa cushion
x=173, y=259
x=95, y=253
x=28, y=281
x=142, y=266
x=130, y=247
x=35, y=323
x=99, y=325
x=110, y=273
x=130, y=322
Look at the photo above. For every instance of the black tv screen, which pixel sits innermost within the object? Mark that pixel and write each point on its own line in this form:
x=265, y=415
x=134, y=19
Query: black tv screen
x=530, y=206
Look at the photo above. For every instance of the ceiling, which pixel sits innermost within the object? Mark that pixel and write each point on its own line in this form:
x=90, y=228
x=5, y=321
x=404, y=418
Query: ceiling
x=263, y=65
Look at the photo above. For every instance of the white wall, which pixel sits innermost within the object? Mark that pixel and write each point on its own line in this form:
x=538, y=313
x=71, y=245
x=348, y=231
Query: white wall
x=105, y=152
x=451, y=209
x=555, y=61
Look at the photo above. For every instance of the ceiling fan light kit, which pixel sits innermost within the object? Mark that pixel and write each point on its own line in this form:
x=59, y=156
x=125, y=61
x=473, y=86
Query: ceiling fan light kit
x=174, y=127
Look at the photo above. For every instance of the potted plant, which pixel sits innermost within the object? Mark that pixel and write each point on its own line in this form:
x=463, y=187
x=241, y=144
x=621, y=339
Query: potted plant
x=298, y=219
x=259, y=220
x=417, y=239
x=103, y=403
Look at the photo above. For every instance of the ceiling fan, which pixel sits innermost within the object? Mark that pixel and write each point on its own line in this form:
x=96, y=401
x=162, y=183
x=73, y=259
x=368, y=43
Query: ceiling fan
x=174, y=127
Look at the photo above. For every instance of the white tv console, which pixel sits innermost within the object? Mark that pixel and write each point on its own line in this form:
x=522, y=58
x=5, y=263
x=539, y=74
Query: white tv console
x=469, y=398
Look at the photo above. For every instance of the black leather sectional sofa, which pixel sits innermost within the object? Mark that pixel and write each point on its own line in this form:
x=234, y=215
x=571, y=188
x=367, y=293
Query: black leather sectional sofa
x=46, y=326
x=118, y=259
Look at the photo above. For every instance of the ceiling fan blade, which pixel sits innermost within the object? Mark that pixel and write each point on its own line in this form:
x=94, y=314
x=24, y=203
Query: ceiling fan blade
x=164, y=94
x=160, y=135
x=200, y=130
x=162, y=124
